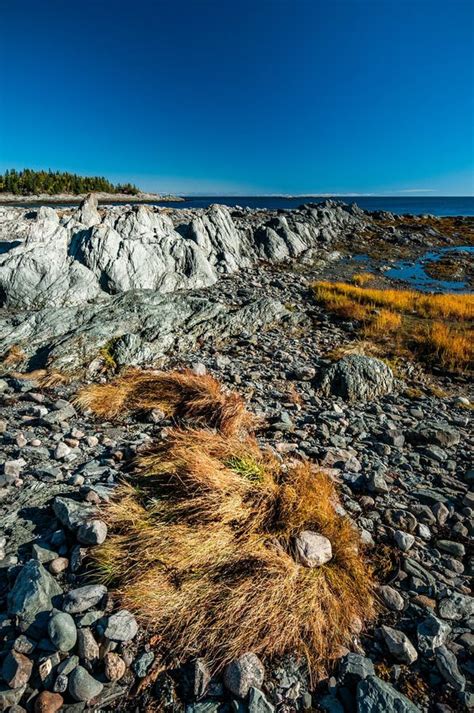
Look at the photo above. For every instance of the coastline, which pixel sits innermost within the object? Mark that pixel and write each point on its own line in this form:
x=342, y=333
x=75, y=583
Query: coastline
x=73, y=199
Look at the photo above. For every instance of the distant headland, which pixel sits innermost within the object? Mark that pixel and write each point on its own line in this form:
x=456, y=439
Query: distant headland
x=28, y=186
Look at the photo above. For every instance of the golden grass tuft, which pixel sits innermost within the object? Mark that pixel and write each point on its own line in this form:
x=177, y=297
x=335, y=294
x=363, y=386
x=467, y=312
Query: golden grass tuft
x=362, y=278
x=438, y=328
x=437, y=306
x=179, y=394
x=201, y=549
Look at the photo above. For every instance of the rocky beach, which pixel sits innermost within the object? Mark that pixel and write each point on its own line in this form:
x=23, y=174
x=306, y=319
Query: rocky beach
x=87, y=293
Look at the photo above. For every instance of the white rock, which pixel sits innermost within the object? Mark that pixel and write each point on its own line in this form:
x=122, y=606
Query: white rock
x=312, y=549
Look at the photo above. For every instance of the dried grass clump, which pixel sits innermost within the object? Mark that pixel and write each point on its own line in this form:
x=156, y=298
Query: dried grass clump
x=384, y=323
x=422, y=304
x=437, y=328
x=362, y=278
x=201, y=549
x=179, y=394
x=447, y=346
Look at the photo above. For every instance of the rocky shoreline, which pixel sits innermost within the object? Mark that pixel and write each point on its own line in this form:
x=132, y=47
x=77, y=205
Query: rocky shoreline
x=73, y=199
x=83, y=293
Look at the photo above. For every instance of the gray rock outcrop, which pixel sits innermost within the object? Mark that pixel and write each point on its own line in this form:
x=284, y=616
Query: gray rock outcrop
x=74, y=259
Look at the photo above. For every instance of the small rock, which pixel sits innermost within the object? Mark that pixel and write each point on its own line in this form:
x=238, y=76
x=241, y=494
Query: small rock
x=404, y=540
x=121, y=626
x=82, y=686
x=258, y=703
x=48, y=702
x=432, y=632
x=142, y=663
x=31, y=598
x=87, y=646
x=448, y=668
x=243, y=673
x=62, y=631
x=392, y=599
x=58, y=565
x=16, y=669
x=93, y=532
x=61, y=451
x=114, y=666
x=377, y=696
x=83, y=598
x=354, y=667
x=399, y=645
x=312, y=549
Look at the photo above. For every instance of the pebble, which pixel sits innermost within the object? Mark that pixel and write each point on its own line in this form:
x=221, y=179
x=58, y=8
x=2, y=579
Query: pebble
x=82, y=686
x=243, y=673
x=92, y=532
x=114, y=666
x=48, y=702
x=62, y=631
x=83, y=598
x=121, y=626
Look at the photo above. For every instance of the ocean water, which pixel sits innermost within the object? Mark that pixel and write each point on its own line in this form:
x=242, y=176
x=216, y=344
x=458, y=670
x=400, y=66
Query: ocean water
x=400, y=205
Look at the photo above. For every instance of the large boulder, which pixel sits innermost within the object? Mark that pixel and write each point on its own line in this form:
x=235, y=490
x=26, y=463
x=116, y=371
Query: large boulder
x=357, y=378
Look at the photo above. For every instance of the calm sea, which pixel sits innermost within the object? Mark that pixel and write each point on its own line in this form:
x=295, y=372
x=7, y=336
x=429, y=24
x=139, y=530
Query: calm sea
x=415, y=206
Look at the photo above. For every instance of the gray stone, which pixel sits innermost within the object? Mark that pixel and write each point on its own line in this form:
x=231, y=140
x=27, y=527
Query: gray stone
x=257, y=702
x=456, y=607
x=62, y=631
x=357, y=378
x=83, y=598
x=312, y=549
x=142, y=663
x=404, y=540
x=31, y=598
x=10, y=697
x=354, y=666
x=399, y=645
x=244, y=673
x=377, y=696
x=82, y=686
x=93, y=532
x=87, y=646
x=432, y=633
x=71, y=513
x=448, y=668
x=121, y=626
x=392, y=599
x=453, y=548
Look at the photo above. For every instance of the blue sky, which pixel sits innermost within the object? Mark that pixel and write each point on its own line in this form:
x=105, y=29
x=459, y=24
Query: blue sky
x=248, y=96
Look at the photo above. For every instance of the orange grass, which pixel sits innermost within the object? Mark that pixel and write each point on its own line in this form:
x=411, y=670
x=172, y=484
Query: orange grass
x=409, y=320
x=447, y=306
x=362, y=278
x=201, y=549
x=179, y=394
x=446, y=346
x=383, y=323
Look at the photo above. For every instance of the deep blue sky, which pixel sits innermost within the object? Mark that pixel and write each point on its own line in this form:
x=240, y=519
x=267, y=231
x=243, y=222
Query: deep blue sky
x=243, y=96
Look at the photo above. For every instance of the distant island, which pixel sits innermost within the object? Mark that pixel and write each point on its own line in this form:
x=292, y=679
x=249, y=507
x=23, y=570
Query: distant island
x=28, y=186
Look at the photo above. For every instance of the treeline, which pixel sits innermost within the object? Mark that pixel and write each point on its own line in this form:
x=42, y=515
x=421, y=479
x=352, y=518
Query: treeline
x=28, y=182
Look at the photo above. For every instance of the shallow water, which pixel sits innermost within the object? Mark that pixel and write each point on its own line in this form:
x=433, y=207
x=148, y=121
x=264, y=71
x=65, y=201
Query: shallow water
x=414, y=274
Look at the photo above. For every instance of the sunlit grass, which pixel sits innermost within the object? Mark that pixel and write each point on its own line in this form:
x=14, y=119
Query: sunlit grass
x=201, y=540
x=438, y=328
